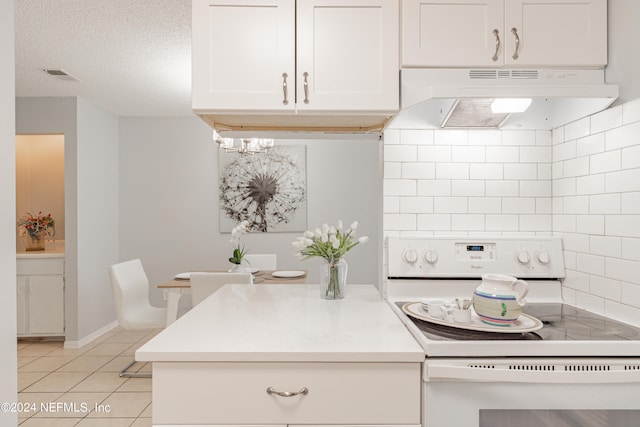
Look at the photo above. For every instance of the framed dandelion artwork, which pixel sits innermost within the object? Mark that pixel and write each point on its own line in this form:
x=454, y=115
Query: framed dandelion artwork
x=267, y=189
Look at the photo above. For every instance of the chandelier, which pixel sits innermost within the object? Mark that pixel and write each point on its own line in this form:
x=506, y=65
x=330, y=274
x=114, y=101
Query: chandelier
x=243, y=145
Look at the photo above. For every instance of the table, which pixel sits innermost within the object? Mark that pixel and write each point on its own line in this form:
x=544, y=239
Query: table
x=177, y=288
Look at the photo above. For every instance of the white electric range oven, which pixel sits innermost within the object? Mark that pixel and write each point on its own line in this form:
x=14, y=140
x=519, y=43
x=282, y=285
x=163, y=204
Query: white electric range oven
x=578, y=369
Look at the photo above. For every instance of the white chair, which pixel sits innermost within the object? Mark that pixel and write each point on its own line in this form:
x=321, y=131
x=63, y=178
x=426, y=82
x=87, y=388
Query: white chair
x=261, y=261
x=205, y=284
x=133, y=310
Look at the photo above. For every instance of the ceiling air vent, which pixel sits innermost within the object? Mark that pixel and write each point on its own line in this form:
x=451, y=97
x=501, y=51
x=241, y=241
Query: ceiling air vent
x=482, y=74
x=60, y=75
x=524, y=74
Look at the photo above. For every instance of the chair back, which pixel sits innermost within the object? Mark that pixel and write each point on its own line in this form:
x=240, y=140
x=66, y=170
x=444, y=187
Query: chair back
x=205, y=284
x=261, y=261
x=130, y=287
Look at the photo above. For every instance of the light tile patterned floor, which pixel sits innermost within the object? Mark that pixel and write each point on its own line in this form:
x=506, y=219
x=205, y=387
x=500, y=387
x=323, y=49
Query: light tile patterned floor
x=63, y=387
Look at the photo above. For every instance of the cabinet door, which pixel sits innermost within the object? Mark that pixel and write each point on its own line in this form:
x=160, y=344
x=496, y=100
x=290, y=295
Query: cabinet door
x=452, y=33
x=348, y=50
x=566, y=33
x=240, y=51
x=21, y=306
x=45, y=305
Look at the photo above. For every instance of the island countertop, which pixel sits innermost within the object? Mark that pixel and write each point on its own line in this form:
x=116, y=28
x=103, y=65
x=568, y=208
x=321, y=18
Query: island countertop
x=284, y=323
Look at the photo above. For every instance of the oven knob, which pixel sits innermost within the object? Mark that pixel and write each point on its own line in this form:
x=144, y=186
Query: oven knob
x=522, y=257
x=543, y=257
x=410, y=256
x=431, y=256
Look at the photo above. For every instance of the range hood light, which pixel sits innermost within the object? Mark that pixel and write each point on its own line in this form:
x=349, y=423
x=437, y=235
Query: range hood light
x=510, y=105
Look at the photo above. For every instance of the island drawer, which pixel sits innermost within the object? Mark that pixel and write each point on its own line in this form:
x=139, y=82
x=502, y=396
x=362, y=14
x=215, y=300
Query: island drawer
x=33, y=266
x=236, y=393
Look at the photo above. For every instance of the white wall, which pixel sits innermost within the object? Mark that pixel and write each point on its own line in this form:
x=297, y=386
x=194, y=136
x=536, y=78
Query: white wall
x=8, y=355
x=169, y=200
x=596, y=207
x=467, y=182
x=624, y=61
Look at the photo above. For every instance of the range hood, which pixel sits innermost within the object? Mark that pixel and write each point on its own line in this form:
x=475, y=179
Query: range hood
x=458, y=98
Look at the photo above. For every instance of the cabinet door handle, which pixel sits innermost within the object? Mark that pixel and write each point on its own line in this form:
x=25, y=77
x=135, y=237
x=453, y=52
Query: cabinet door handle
x=306, y=87
x=285, y=101
x=514, y=31
x=496, y=33
x=303, y=391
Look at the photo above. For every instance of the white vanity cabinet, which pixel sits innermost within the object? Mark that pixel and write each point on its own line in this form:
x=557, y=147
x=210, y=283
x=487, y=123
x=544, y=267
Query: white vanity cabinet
x=40, y=296
x=324, y=393
x=497, y=33
x=293, y=57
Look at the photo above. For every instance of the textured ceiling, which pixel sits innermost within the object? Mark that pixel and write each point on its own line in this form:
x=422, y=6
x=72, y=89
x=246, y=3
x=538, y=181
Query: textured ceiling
x=132, y=57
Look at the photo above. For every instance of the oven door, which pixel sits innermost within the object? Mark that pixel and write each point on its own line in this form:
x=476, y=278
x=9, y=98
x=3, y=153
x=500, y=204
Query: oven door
x=531, y=393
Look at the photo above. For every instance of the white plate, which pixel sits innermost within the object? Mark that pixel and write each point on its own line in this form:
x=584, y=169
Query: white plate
x=525, y=323
x=182, y=276
x=289, y=274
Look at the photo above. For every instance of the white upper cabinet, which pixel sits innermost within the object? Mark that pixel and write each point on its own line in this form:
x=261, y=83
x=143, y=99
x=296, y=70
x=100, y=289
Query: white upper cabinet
x=288, y=57
x=496, y=33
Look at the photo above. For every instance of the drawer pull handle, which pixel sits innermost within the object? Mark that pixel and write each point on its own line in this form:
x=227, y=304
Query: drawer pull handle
x=285, y=101
x=496, y=34
x=303, y=391
x=514, y=31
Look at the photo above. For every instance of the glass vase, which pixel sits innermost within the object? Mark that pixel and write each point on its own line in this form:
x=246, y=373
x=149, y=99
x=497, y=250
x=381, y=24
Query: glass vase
x=333, y=278
x=34, y=242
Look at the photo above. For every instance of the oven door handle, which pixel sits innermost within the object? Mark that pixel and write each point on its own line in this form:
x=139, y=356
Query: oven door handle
x=495, y=375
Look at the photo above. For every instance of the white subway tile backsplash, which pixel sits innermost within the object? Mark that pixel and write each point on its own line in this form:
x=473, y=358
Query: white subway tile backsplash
x=485, y=137
x=400, y=222
x=535, y=222
x=564, y=151
x=621, y=137
x=606, y=246
x=399, y=187
x=557, y=135
x=592, y=184
x=577, y=129
x=467, y=222
x=416, y=137
x=626, y=311
x=434, y=153
x=422, y=170
x=543, y=205
x=451, y=137
x=590, y=145
x=631, y=203
x=538, y=154
x=631, y=249
x=557, y=205
x=519, y=137
x=606, y=120
x=630, y=294
x=434, y=187
x=543, y=137
x=502, y=222
x=631, y=157
x=467, y=154
x=570, y=260
x=392, y=170
x=576, y=167
x=623, y=181
x=450, y=205
x=503, y=154
x=590, y=302
x=590, y=224
x=391, y=137
x=391, y=204
x=591, y=264
x=604, y=204
x=577, y=280
x=486, y=171
x=563, y=187
x=576, y=242
x=518, y=205
x=416, y=205
x=557, y=170
x=631, y=112
x=576, y=205
x=485, y=205
x=535, y=188
x=502, y=188
x=521, y=171
x=436, y=222
x=544, y=170
x=624, y=270
x=462, y=187
x=623, y=225
x=400, y=153
x=564, y=223
x=452, y=171
x=605, y=162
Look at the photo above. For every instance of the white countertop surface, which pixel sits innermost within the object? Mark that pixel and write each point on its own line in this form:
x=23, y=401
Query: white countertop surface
x=286, y=323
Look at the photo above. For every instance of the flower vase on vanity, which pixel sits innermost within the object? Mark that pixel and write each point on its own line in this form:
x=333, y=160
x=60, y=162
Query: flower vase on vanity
x=330, y=243
x=34, y=229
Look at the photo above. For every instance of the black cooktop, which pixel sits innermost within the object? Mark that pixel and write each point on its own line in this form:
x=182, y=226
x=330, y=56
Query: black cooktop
x=561, y=322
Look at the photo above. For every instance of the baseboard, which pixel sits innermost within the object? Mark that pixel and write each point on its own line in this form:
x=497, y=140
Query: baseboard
x=86, y=340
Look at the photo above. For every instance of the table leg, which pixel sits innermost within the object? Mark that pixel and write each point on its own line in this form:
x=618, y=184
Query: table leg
x=173, y=300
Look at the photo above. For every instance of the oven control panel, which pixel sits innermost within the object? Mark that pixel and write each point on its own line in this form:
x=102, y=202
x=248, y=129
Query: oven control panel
x=469, y=257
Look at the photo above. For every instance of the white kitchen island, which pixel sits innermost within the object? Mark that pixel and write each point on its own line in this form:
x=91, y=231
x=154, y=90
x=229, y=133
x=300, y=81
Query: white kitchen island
x=281, y=355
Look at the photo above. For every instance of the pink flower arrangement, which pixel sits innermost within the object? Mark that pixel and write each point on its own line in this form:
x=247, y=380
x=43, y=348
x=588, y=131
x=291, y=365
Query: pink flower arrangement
x=36, y=226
